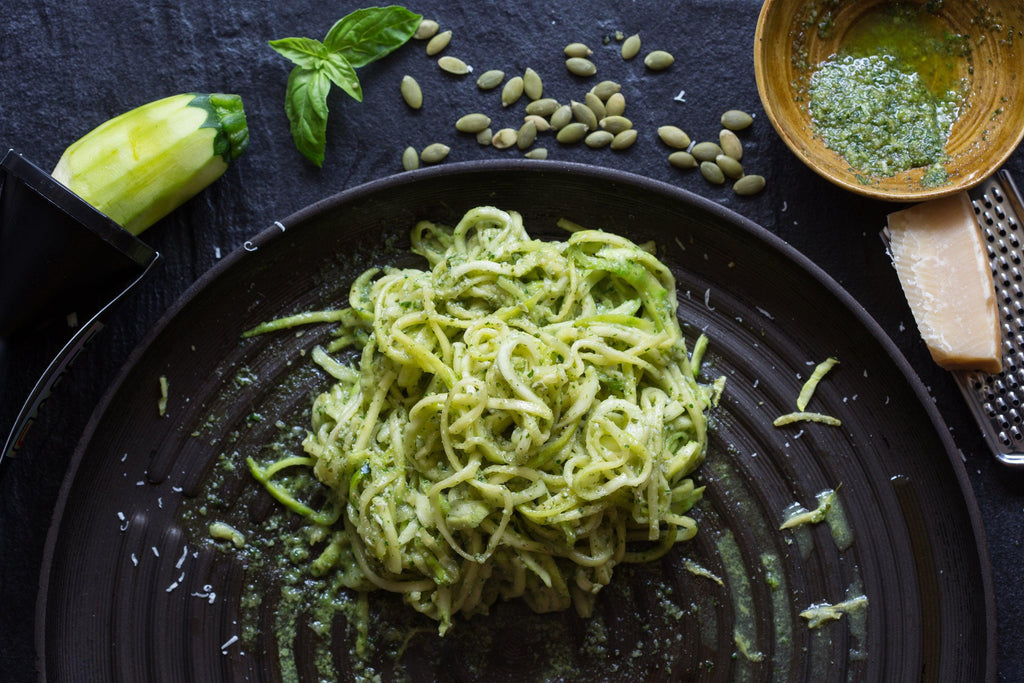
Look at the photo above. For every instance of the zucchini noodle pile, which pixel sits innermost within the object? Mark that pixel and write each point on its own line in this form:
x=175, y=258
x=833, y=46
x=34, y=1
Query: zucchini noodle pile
x=519, y=418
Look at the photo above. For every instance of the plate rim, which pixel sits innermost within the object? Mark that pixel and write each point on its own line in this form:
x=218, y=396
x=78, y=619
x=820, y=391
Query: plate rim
x=279, y=228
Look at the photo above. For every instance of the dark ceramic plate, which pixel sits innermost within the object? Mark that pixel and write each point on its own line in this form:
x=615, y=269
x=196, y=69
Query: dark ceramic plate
x=134, y=591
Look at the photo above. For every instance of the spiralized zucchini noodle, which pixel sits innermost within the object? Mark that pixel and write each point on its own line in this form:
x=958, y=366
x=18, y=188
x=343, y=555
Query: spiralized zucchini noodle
x=521, y=417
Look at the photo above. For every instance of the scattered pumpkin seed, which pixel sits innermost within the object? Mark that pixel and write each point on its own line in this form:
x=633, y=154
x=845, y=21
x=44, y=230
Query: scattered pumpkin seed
x=527, y=135
x=540, y=123
x=748, y=185
x=545, y=106
x=562, y=117
x=473, y=123
x=673, y=136
x=730, y=166
x=712, y=173
x=706, y=151
x=454, y=65
x=533, y=86
x=580, y=66
x=438, y=43
x=490, y=79
x=616, y=124
x=434, y=153
x=734, y=119
x=577, y=50
x=683, y=160
x=598, y=139
x=596, y=105
x=512, y=91
x=624, y=139
x=411, y=92
x=619, y=35
x=537, y=153
x=484, y=137
x=631, y=48
x=616, y=105
x=505, y=138
x=410, y=159
x=606, y=89
x=730, y=144
x=658, y=60
x=583, y=114
x=426, y=30
x=572, y=133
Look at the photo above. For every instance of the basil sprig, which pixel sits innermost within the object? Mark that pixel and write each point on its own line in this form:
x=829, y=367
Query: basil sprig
x=354, y=41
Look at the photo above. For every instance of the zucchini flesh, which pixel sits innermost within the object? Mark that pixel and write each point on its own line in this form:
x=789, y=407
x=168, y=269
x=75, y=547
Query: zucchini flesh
x=139, y=166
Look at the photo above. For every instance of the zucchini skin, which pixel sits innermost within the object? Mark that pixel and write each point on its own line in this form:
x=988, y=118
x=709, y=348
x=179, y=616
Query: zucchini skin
x=139, y=166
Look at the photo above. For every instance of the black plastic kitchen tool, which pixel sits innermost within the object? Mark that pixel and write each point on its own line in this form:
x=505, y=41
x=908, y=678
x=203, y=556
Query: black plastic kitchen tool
x=62, y=266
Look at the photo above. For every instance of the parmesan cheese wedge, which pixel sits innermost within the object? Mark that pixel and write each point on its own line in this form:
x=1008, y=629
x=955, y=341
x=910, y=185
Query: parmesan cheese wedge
x=943, y=268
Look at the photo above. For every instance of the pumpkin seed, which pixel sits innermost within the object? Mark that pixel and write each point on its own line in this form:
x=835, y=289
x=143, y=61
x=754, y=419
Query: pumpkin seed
x=562, y=117
x=580, y=66
x=543, y=107
x=734, y=119
x=596, y=105
x=532, y=84
x=572, y=133
x=706, y=151
x=616, y=124
x=598, y=139
x=438, y=43
x=512, y=91
x=631, y=48
x=454, y=65
x=674, y=136
x=484, y=137
x=584, y=114
x=683, y=160
x=411, y=92
x=730, y=144
x=473, y=123
x=505, y=138
x=490, y=79
x=540, y=123
x=730, y=166
x=616, y=105
x=606, y=89
x=410, y=159
x=577, y=50
x=748, y=185
x=526, y=135
x=434, y=153
x=712, y=173
x=427, y=29
x=619, y=35
x=537, y=153
x=624, y=139
x=658, y=60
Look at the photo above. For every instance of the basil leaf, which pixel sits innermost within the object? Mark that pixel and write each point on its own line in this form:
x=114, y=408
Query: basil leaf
x=304, y=52
x=342, y=74
x=368, y=34
x=306, y=107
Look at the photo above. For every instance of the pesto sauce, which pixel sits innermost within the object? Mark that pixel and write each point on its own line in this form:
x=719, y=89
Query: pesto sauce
x=888, y=100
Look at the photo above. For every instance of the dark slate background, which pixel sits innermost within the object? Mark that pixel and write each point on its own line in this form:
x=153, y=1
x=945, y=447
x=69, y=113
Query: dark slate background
x=66, y=67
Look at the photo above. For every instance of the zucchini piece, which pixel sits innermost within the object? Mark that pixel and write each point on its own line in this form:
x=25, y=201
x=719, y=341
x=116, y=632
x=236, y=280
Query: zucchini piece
x=138, y=167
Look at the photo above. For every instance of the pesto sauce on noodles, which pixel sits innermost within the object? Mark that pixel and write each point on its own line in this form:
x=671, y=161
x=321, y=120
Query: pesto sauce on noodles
x=521, y=417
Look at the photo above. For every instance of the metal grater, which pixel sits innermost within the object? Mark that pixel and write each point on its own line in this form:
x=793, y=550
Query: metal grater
x=997, y=401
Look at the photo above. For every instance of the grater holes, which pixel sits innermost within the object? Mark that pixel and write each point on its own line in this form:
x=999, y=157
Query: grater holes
x=997, y=193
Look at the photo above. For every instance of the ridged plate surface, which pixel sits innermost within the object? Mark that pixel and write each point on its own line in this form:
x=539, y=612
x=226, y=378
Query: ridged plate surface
x=130, y=593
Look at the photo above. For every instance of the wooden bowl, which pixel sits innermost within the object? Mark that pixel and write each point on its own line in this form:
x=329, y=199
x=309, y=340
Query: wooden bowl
x=788, y=47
